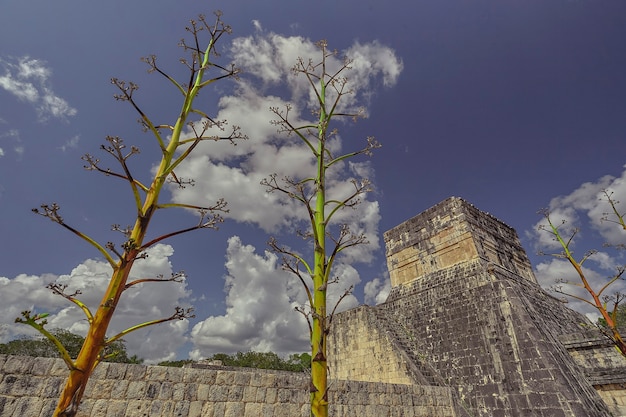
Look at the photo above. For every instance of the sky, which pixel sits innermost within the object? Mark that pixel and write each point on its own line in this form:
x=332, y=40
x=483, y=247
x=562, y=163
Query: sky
x=514, y=106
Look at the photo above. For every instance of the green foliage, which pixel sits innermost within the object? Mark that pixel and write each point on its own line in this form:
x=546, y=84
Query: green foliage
x=300, y=362
x=265, y=360
x=620, y=318
x=176, y=364
x=260, y=360
x=44, y=348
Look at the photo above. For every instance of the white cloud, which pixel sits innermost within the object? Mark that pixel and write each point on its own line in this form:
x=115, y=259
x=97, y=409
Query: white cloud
x=261, y=302
x=559, y=273
x=261, y=296
x=377, y=290
x=71, y=143
x=144, y=302
x=234, y=172
x=585, y=208
x=14, y=136
x=28, y=80
x=260, y=311
x=373, y=59
x=587, y=204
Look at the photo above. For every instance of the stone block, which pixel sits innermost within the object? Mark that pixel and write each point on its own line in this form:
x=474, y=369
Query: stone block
x=195, y=409
x=235, y=393
x=135, y=372
x=224, y=378
x=218, y=393
x=22, y=365
x=135, y=390
x=252, y=410
x=271, y=395
x=249, y=394
x=116, y=372
x=138, y=408
x=234, y=409
x=203, y=392
x=242, y=378
x=181, y=408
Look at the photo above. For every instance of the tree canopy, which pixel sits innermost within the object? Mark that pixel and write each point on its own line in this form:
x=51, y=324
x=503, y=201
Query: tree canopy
x=42, y=347
x=260, y=360
x=620, y=318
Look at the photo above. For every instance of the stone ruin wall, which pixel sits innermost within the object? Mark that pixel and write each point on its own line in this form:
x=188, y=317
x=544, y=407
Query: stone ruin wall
x=450, y=233
x=29, y=387
x=602, y=364
x=465, y=332
x=367, y=353
x=466, y=311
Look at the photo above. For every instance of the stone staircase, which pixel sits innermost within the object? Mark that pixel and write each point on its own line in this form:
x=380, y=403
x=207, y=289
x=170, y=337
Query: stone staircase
x=417, y=364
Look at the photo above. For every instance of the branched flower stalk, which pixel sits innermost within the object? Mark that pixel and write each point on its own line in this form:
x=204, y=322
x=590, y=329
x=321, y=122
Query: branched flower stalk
x=607, y=305
x=203, y=71
x=311, y=192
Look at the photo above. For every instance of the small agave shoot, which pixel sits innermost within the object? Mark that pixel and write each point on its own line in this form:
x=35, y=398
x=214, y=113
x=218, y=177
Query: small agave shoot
x=174, y=149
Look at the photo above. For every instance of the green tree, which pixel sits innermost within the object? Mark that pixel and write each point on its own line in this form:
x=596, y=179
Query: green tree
x=296, y=362
x=176, y=364
x=620, y=318
x=174, y=149
x=609, y=306
x=265, y=360
x=328, y=240
x=299, y=362
x=43, y=347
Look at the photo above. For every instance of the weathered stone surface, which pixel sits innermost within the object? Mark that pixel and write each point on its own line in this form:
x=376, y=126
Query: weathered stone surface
x=242, y=392
x=465, y=328
x=466, y=311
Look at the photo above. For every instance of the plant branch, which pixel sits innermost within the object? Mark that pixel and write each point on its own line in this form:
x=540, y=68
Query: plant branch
x=59, y=289
x=180, y=314
x=52, y=213
x=38, y=322
x=175, y=277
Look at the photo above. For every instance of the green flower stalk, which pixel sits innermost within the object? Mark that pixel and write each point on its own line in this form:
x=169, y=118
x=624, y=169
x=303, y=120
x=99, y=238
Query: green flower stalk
x=311, y=192
x=174, y=149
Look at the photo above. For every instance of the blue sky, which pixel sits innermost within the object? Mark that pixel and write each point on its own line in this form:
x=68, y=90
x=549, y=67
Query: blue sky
x=512, y=105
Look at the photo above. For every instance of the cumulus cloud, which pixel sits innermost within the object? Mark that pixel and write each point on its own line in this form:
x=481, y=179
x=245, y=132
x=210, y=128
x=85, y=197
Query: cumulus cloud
x=587, y=211
x=377, y=291
x=559, y=274
x=142, y=303
x=261, y=302
x=587, y=204
x=261, y=297
x=28, y=79
x=236, y=171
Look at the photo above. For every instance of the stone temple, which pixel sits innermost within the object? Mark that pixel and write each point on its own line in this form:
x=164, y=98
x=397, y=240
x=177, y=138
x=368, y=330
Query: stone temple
x=465, y=332
x=466, y=312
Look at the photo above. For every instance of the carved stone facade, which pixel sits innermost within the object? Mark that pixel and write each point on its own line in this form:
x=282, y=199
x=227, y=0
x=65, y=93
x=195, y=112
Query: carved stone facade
x=466, y=312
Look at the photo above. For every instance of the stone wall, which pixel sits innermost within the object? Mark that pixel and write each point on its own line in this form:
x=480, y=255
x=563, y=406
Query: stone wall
x=449, y=233
x=602, y=364
x=467, y=312
x=29, y=387
x=364, y=351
